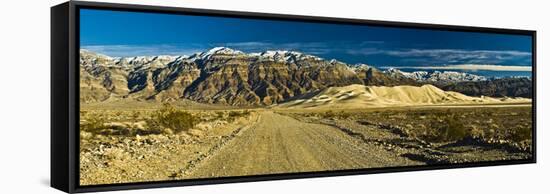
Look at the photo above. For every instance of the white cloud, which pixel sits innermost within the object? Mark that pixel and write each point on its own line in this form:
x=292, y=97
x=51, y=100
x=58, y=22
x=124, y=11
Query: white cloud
x=457, y=56
x=444, y=53
x=246, y=44
x=307, y=47
x=140, y=50
x=456, y=53
x=472, y=67
x=316, y=48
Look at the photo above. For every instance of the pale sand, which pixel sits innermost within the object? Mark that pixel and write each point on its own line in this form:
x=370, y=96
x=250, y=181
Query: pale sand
x=360, y=96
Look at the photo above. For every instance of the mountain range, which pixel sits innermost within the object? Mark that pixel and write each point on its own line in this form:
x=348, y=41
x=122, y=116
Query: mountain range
x=225, y=76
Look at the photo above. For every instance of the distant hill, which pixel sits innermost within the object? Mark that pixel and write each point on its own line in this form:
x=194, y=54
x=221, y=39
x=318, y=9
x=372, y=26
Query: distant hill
x=517, y=87
x=436, y=77
x=469, y=84
x=361, y=96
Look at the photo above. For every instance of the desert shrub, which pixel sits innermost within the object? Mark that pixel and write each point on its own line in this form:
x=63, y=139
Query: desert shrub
x=232, y=115
x=329, y=114
x=454, y=130
x=135, y=115
x=422, y=113
x=521, y=133
x=477, y=132
x=344, y=115
x=219, y=114
x=169, y=117
x=448, y=129
x=239, y=113
x=94, y=123
x=430, y=132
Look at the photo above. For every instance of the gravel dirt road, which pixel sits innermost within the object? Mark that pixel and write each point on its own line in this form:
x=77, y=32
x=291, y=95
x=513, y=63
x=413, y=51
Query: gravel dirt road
x=282, y=144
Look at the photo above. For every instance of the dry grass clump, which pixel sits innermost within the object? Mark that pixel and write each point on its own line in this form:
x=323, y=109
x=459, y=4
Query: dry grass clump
x=166, y=120
x=451, y=129
x=511, y=124
x=335, y=114
x=233, y=115
x=94, y=123
x=170, y=118
x=521, y=134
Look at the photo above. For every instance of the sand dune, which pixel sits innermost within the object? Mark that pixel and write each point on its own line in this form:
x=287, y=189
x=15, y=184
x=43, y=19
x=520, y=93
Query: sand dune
x=360, y=96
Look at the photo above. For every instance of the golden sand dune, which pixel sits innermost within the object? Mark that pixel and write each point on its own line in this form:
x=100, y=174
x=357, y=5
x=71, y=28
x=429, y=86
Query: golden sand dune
x=360, y=96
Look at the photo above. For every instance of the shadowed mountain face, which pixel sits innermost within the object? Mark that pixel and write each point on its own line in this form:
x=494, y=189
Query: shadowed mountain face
x=264, y=78
x=225, y=76
x=517, y=87
x=220, y=75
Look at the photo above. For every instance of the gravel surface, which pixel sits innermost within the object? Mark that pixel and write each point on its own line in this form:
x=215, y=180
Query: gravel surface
x=282, y=144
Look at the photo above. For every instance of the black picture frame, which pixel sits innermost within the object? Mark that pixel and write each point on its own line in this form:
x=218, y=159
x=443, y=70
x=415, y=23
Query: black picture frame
x=65, y=94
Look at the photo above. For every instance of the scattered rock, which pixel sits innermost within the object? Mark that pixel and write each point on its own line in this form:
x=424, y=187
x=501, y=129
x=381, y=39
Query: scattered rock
x=196, y=132
x=168, y=131
x=204, y=126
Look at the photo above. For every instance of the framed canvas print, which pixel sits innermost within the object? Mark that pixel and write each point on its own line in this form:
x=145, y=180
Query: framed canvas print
x=146, y=96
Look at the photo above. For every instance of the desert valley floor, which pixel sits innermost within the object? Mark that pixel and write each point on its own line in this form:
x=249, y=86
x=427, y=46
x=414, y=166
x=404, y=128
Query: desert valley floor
x=252, y=141
x=224, y=112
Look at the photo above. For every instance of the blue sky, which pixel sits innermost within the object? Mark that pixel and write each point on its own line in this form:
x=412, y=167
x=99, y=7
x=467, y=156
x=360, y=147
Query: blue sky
x=118, y=33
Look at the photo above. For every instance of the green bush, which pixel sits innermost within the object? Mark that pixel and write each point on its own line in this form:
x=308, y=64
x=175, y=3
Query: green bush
x=169, y=117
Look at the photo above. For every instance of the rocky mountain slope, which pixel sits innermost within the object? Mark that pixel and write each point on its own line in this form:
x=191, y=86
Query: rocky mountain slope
x=230, y=77
x=220, y=75
x=469, y=84
x=518, y=87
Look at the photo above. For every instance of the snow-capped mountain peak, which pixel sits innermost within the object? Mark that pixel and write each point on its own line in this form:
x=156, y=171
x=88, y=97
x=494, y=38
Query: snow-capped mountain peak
x=436, y=76
x=284, y=56
x=393, y=71
x=362, y=66
x=219, y=51
x=138, y=59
